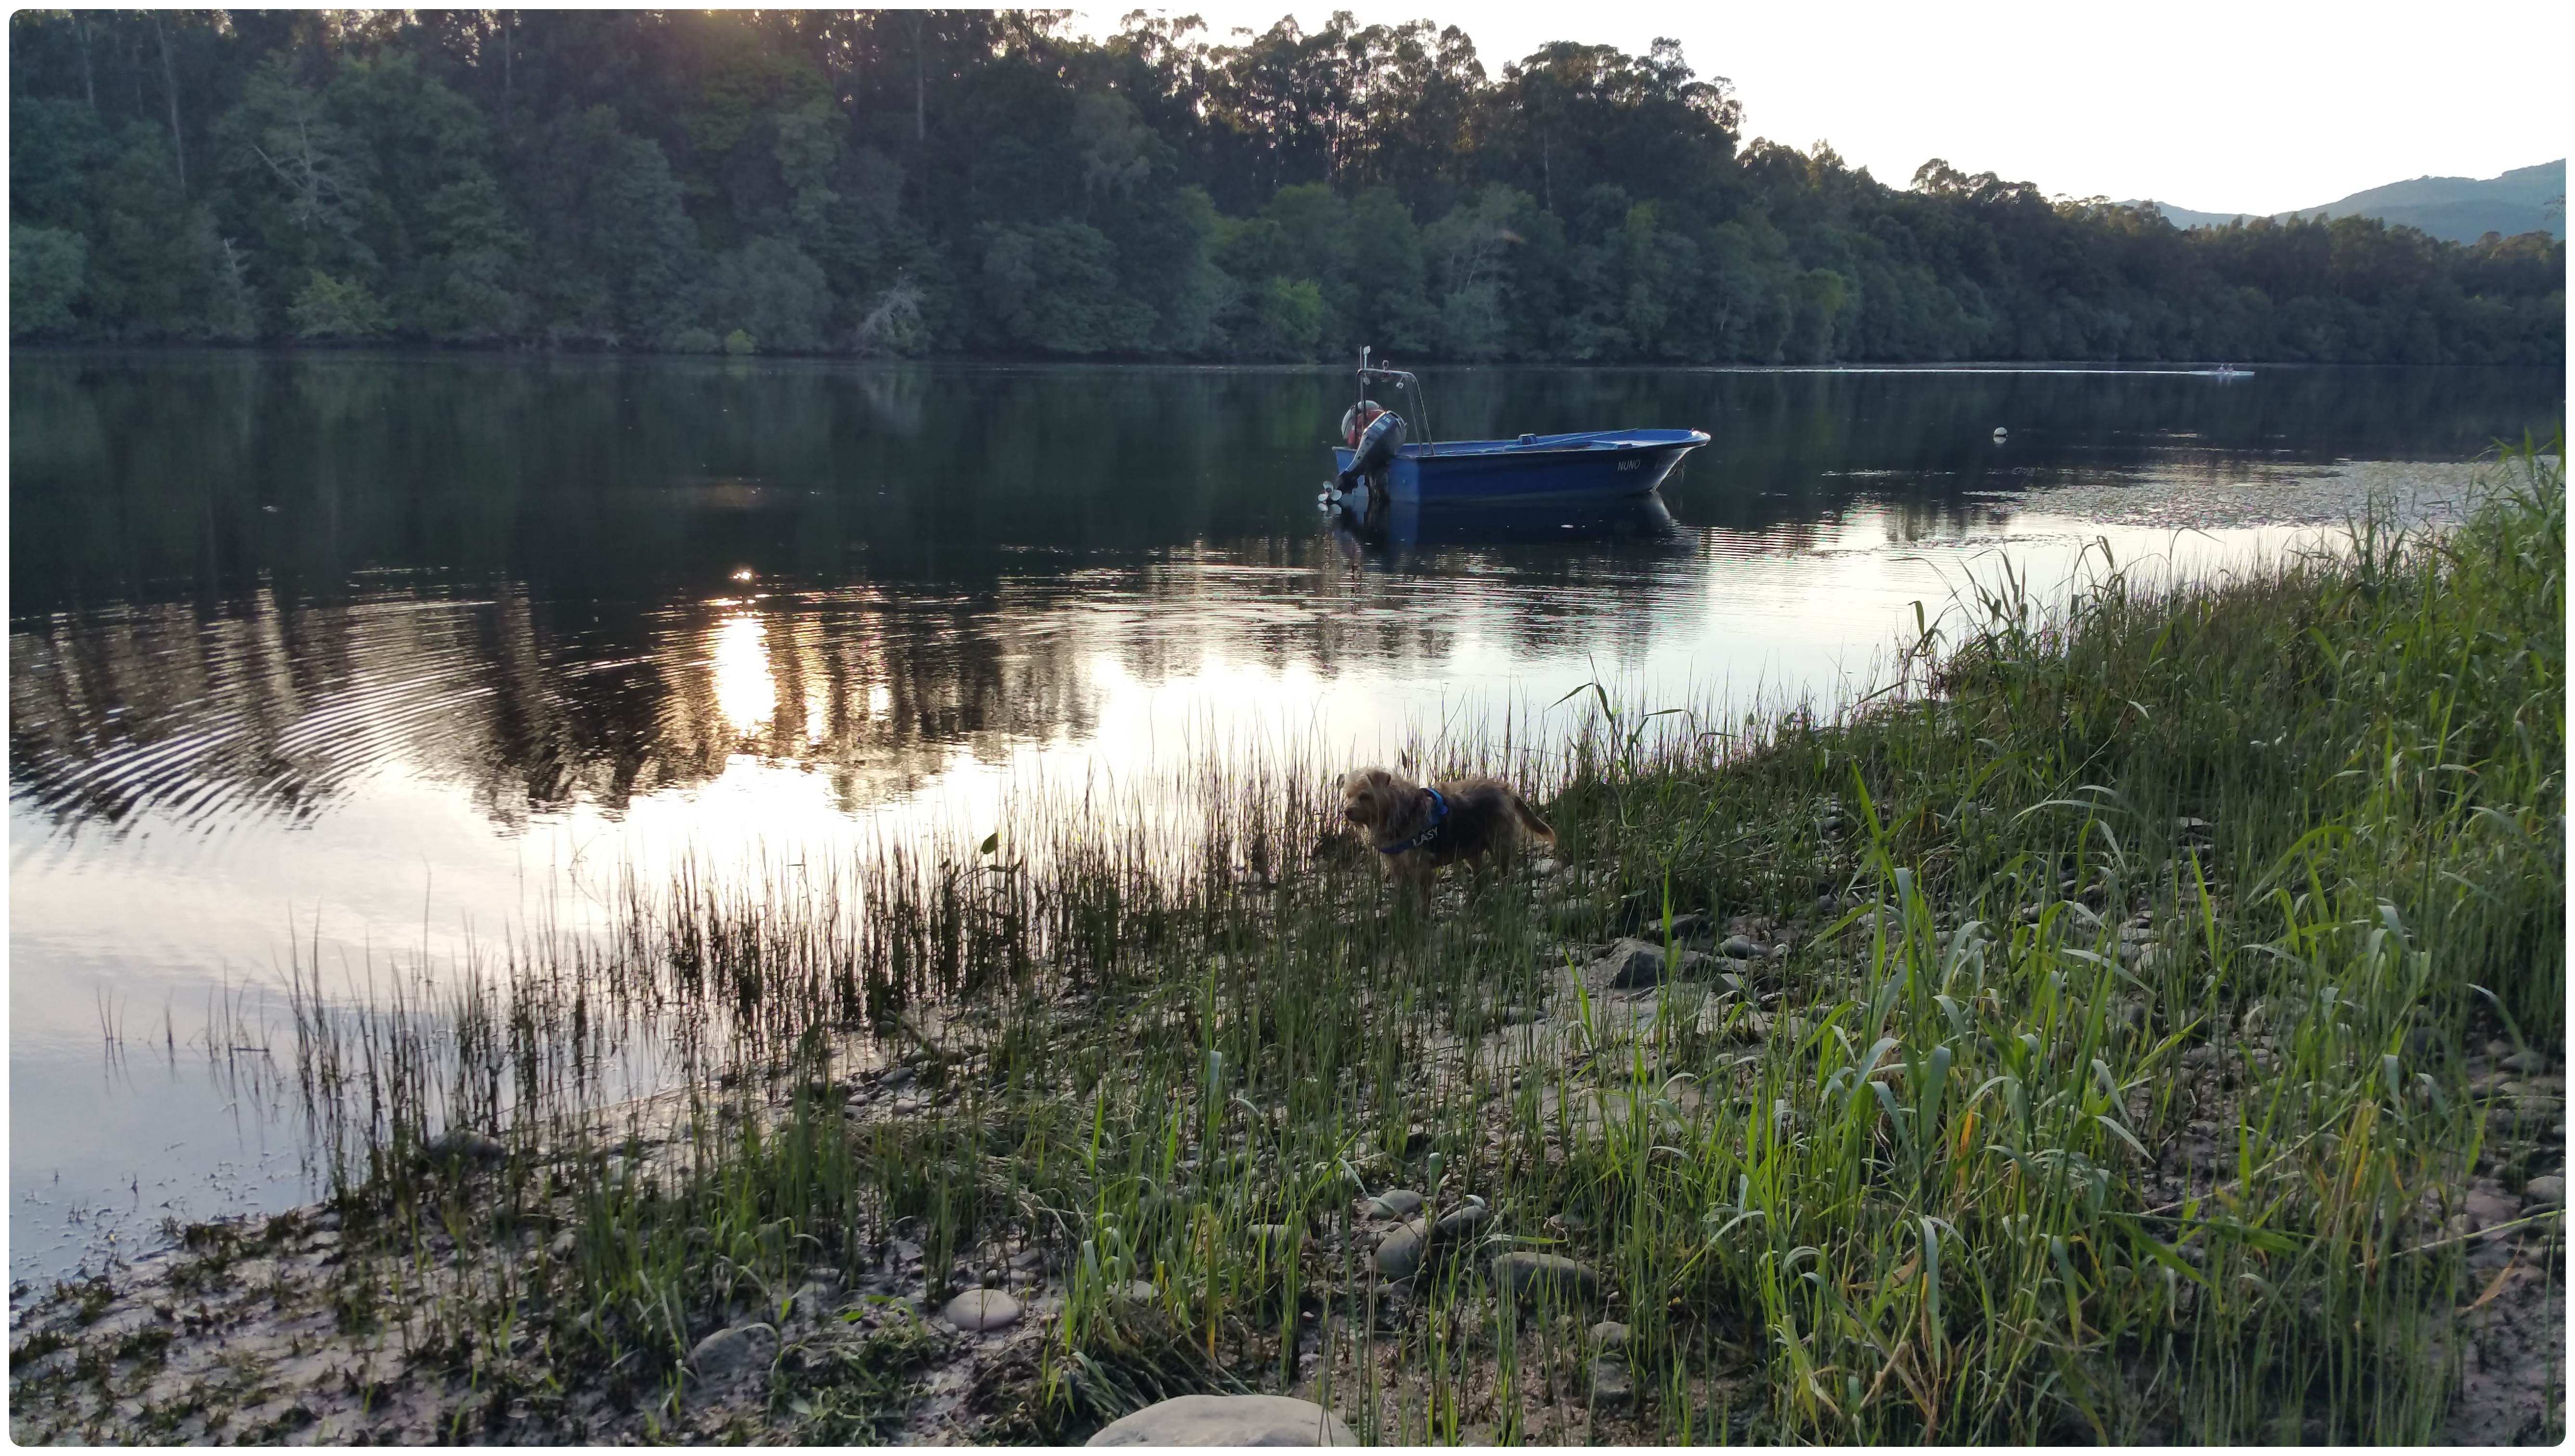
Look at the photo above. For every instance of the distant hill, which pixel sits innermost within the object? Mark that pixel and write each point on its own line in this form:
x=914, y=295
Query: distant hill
x=2460, y=209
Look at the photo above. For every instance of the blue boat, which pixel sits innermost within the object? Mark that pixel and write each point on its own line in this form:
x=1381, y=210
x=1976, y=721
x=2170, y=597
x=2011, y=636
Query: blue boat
x=1376, y=468
x=1618, y=522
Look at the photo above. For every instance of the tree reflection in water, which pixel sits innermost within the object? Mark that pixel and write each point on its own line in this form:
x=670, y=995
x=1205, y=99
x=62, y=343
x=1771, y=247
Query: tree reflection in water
x=245, y=583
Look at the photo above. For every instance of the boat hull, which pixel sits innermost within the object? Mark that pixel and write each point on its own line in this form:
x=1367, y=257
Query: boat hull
x=1548, y=468
x=1413, y=526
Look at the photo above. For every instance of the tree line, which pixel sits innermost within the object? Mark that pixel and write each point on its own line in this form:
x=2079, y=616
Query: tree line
x=986, y=183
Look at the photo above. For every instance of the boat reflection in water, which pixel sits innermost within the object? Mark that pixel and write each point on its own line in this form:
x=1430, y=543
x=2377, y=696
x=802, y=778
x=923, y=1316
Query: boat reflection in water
x=1407, y=529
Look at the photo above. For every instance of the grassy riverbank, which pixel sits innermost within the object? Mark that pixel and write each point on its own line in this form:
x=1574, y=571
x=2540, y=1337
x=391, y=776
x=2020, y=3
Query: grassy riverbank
x=2141, y=1023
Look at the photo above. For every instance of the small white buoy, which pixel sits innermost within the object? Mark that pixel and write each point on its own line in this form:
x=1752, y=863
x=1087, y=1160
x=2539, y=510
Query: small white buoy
x=2000, y=431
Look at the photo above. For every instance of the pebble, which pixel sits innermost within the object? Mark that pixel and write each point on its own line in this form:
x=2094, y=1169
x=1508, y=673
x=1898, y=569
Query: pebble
x=1681, y=928
x=1393, y=1203
x=2546, y=1192
x=729, y=1350
x=1536, y=1278
x=1611, y=1384
x=1136, y=1292
x=465, y=1142
x=1634, y=964
x=2523, y=1061
x=1462, y=1220
x=1609, y=1334
x=2486, y=1209
x=982, y=1309
x=1741, y=947
x=1228, y=1420
x=1400, y=1253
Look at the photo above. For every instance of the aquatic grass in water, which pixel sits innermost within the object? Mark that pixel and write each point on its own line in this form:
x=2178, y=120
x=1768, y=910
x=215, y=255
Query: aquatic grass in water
x=2112, y=1083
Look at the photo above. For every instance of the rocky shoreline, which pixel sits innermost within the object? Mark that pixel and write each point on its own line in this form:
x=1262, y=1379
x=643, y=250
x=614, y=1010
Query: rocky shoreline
x=278, y=1330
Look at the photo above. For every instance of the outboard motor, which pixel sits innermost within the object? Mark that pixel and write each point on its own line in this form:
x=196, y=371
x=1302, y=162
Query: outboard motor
x=1357, y=417
x=1372, y=434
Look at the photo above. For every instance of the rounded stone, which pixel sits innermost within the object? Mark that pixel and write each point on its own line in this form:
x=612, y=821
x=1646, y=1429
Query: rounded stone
x=1228, y=1420
x=728, y=1351
x=1464, y=1219
x=1393, y=1203
x=982, y=1309
x=2487, y=1207
x=467, y=1144
x=1545, y=1278
x=1400, y=1253
x=2546, y=1192
x=1609, y=1334
x=1610, y=1383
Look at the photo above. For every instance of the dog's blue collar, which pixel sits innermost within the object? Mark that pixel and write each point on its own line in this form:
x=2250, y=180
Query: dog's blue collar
x=1438, y=821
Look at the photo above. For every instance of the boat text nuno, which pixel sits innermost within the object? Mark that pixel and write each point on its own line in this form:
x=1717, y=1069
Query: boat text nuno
x=1376, y=466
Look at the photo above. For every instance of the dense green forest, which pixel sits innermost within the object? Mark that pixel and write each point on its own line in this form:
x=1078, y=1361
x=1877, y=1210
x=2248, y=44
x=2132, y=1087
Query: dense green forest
x=982, y=182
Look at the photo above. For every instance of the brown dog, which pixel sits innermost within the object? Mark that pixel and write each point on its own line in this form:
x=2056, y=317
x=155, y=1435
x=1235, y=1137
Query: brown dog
x=1416, y=829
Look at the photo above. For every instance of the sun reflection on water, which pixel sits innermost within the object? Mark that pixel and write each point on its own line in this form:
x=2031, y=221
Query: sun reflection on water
x=745, y=690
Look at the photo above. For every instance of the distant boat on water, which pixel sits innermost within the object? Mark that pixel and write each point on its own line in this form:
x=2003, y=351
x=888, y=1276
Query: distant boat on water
x=1375, y=466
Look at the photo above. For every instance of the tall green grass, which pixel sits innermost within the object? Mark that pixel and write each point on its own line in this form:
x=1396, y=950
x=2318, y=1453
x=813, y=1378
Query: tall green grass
x=2112, y=1090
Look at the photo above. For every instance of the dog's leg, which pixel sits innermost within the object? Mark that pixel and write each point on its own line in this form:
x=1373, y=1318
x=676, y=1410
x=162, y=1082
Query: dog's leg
x=1413, y=877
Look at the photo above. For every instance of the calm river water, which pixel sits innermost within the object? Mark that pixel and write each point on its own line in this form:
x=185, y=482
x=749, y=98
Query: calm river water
x=364, y=655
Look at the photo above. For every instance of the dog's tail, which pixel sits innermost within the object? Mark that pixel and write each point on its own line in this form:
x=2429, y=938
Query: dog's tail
x=1529, y=820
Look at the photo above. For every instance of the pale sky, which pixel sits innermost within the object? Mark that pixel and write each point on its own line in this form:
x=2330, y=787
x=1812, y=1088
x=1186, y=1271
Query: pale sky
x=2216, y=105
